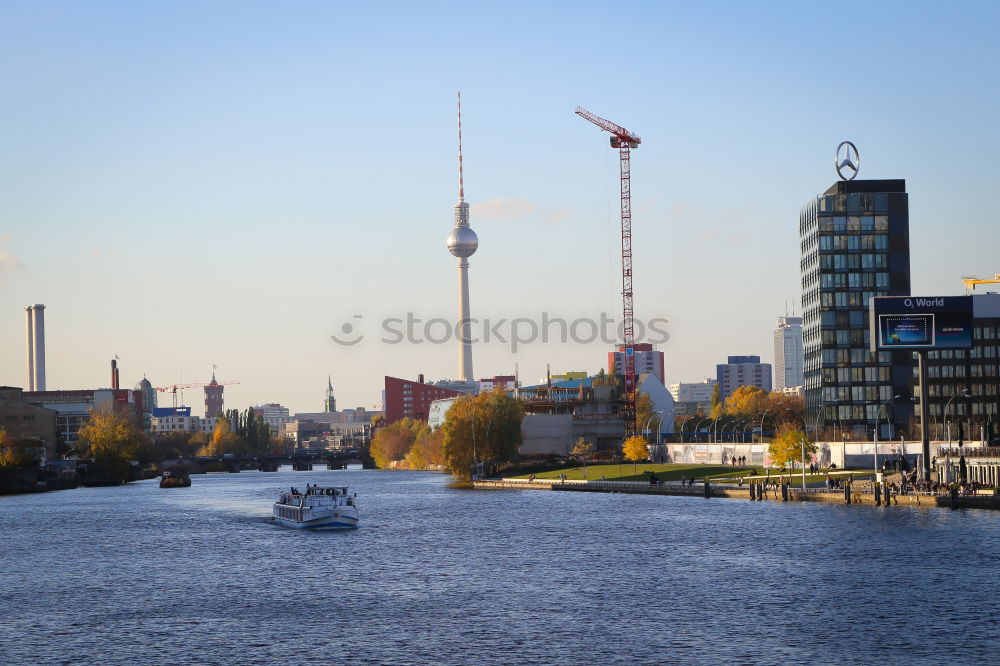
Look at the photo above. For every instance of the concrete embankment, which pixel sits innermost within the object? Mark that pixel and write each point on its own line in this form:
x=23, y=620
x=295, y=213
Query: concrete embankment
x=774, y=494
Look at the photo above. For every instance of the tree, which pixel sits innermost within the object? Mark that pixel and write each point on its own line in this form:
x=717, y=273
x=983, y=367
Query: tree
x=581, y=451
x=426, y=451
x=787, y=446
x=393, y=442
x=747, y=402
x=481, y=429
x=643, y=409
x=223, y=440
x=16, y=453
x=112, y=438
x=635, y=449
x=716, y=406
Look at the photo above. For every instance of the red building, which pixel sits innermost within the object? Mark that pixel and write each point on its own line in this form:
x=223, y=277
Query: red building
x=409, y=399
x=647, y=360
x=213, y=398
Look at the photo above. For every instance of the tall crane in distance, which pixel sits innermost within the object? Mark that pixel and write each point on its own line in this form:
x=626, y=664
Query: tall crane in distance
x=173, y=388
x=971, y=281
x=624, y=141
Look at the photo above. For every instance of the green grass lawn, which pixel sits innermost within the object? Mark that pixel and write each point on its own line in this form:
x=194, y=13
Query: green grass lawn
x=674, y=472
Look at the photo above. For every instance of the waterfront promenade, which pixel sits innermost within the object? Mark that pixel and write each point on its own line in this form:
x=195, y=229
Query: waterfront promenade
x=861, y=493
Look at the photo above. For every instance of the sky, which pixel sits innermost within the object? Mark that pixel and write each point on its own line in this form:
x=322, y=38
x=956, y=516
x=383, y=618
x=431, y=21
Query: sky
x=189, y=184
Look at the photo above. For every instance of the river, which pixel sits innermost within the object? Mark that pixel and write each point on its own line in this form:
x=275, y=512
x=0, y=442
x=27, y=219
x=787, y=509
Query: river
x=137, y=575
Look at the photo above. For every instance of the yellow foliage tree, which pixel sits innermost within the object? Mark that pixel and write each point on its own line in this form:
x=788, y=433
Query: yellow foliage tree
x=224, y=440
x=787, y=447
x=426, y=451
x=747, y=402
x=112, y=438
x=481, y=429
x=635, y=449
x=14, y=454
x=393, y=442
x=643, y=409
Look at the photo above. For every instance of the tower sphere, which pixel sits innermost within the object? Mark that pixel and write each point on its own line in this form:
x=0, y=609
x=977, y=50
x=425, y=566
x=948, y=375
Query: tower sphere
x=463, y=242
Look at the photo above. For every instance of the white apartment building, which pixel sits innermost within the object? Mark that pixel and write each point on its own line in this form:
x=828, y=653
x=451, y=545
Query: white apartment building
x=788, y=355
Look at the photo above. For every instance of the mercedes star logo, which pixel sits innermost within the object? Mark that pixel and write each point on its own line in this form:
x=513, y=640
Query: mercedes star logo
x=847, y=157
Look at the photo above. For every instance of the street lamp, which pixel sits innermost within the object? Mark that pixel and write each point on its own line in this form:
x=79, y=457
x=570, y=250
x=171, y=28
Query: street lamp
x=734, y=424
x=659, y=425
x=877, y=415
x=698, y=427
x=947, y=421
x=822, y=409
x=749, y=423
x=659, y=431
x=684, y=425
x=645, y=430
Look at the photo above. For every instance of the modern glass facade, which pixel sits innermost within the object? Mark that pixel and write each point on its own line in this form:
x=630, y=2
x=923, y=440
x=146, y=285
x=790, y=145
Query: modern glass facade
x=952, y=372
x=855, y=244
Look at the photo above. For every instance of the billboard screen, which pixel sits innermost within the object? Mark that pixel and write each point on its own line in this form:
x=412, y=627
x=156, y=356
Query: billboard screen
x=912, y=322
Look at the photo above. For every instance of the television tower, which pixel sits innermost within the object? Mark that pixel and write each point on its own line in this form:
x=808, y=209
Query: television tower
x=463, y=243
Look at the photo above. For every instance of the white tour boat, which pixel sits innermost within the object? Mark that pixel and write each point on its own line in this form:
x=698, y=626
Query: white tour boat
x=318, y=507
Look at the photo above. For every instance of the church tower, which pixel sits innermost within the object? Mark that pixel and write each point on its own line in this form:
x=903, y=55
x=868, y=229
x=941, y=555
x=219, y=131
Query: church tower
x=330, y=403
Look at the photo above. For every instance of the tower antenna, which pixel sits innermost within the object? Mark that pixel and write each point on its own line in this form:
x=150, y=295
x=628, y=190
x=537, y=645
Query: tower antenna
x=461, y=178
x=462, y=243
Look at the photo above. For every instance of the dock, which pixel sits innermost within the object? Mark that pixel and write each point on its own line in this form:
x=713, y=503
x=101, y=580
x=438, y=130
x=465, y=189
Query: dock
x=859, y=493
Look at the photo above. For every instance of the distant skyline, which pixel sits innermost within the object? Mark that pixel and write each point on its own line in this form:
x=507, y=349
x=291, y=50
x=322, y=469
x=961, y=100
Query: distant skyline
x=187, y=184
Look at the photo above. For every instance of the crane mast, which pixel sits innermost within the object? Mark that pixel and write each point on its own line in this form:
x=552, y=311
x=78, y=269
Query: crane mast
x=624, y=141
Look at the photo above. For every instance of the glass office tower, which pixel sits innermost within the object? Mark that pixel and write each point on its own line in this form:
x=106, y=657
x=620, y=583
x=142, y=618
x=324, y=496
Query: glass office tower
x=855, y=243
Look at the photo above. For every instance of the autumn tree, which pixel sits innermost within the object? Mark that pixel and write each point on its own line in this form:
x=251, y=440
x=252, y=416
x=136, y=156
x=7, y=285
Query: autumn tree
x=787, y=446
x=635, y=449
x=582, y=450
x=16, y=453
x=426, y=451
x=112, y=438
x=747, y=402
x=643, y=409
x=393, y=442
x=483, y=428
x=716, y=406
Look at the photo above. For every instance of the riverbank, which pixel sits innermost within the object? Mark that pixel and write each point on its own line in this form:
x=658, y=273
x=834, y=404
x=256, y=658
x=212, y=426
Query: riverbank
x=859, y=495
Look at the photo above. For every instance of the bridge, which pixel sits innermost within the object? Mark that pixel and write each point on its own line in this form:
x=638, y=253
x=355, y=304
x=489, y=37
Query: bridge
x=301, y=461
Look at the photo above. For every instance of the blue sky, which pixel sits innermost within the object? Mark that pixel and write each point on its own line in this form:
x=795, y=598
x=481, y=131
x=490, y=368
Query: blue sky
x=191, y=183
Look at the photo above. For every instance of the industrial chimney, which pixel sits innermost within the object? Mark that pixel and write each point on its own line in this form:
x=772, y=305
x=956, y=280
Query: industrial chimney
x=38, y=324
x=29, y=345
x=114, y=373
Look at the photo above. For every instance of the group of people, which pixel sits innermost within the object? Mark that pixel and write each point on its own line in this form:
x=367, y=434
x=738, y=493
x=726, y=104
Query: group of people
x=742, y=460
x=835, y=483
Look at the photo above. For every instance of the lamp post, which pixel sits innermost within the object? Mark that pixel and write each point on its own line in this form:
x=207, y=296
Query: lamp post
x=698, y=427
x=684, y=424
x=659, y=429
x=802, y=441
x=715, y=428
x=947, y=405
x=645, y=430
x=877, y=415
x=822, y=409
x=659, y=425
x=733, y=423
x=749, y=423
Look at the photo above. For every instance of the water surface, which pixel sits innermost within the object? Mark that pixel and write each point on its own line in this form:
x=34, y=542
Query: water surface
x=442, y=575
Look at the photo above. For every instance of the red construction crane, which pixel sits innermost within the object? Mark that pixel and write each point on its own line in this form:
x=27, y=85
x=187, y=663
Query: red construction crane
x=624, y=141
x=173, y=387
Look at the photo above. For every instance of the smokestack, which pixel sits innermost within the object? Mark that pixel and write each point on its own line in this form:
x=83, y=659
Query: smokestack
x=39, y=347
x=114, y=373
x=420, y=378
x=29, y=346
